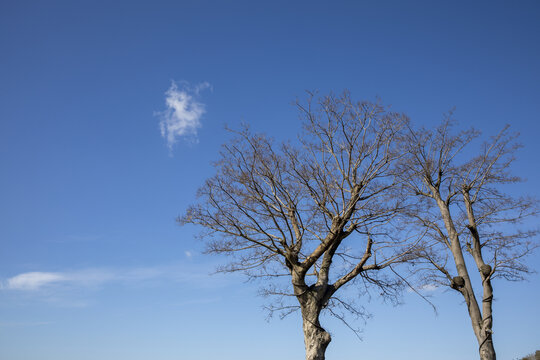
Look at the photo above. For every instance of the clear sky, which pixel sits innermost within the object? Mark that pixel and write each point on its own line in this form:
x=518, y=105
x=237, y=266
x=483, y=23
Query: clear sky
x=98, y=157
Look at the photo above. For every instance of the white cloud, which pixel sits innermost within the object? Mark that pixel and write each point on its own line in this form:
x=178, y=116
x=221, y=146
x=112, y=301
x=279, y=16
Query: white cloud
x=37, y=280
x=429, y=287
x=96, y=277
x=182, y=118
x=188, y=254
x=424, y=288
x=32, y=280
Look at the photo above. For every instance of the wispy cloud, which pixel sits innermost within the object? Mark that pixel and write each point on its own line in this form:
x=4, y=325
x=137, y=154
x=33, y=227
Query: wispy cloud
x=425, y=288
x=95, y=277
x=182, y=118
x=32, y=280
x=429, y=287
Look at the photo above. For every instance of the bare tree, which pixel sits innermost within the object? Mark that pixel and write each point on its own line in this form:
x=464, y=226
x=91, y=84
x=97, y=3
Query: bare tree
x=316, y=212
x=471, y=222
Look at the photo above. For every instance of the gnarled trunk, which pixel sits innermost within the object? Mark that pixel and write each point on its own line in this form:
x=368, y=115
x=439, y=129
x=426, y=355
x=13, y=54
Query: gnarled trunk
x=316, y=338
x=487, y=351
x=312, y=301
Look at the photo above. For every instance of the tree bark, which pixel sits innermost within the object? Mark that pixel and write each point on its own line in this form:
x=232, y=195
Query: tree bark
x=487, y=351
x=312, y=300
x=316, y=339
x=482, y=329
x=481, y=321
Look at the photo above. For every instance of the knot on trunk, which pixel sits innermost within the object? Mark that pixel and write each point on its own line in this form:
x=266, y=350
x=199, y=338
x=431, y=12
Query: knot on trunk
x=457, y=282
x=485, y=270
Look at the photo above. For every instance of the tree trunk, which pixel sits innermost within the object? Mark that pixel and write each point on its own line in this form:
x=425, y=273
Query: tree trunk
x=312, y=300
x=483, y=329
x=481, y=323
x=316, y=338
x=487, y=352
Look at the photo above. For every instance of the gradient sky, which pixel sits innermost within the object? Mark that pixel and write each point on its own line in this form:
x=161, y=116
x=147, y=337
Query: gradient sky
x=99, y=155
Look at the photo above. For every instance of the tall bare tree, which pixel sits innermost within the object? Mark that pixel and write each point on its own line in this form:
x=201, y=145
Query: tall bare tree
x=317, y=212
x=471, y=222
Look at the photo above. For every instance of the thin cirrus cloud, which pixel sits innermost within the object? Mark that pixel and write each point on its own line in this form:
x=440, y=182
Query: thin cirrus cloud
x=424, y=288
x=37, y=280
x=92, y=278
x=33, y=280
x=182, y=118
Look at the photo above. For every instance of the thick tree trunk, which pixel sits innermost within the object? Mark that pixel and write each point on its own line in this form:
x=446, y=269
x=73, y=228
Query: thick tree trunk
x=311, y=300
x=316, y=338
x=487, y=351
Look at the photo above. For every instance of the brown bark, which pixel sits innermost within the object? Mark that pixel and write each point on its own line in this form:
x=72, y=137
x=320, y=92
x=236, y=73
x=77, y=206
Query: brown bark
x=316, y=339
x=487, y=351
x=312, y=300
x=481, y=321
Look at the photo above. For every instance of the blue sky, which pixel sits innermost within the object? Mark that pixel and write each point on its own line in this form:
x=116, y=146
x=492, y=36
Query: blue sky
x=92, y=264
